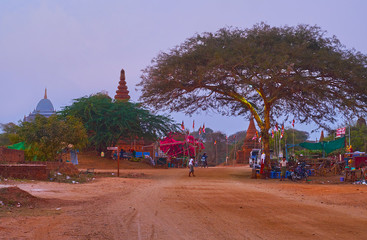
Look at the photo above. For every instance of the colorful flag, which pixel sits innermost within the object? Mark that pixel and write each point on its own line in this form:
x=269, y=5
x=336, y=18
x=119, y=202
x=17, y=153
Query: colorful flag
x=200, y=131
x=259, y=139
x=272, y=133
x=204, y=128
x=257, y=135
x=182, y=125
x=254, y=137
x=281, y=136
x=276, y=127
x=340, y=131
x=215, y=142
x=193, y=125
x=293, y=123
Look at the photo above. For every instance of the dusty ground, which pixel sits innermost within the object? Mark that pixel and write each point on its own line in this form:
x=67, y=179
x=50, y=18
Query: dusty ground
x=219, y=203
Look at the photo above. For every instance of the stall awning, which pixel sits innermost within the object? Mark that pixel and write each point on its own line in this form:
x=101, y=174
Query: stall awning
x=328, y=147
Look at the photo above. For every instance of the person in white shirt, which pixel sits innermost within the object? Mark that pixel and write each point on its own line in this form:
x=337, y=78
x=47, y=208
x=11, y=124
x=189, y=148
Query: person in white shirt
x=191, y=166
x=283, y=169
x=262, y=163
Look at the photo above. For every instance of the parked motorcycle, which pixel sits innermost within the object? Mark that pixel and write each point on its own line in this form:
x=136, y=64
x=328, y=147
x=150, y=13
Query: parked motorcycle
x=299, y=172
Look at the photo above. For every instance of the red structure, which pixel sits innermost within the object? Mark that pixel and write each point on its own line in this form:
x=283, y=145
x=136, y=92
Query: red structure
x=11, y=155
x=122, y=93
x=248, y=144
x=176, y=148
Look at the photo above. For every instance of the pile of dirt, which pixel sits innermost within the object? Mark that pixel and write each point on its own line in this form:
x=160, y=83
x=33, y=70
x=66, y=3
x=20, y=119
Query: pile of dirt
x=16, y=197
x=68, y=169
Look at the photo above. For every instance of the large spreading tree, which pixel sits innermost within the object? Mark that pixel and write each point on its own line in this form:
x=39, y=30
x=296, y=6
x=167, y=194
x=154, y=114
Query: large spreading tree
x=267, y=72
x=107, y=120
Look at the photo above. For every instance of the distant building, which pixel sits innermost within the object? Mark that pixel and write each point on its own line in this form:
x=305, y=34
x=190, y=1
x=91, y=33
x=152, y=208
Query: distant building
x=44, y=108
x=248, y=144
x=122, y=93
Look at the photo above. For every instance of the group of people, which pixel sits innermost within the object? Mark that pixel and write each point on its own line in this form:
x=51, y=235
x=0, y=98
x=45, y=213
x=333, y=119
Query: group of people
x=122, y=154
x=282, y=164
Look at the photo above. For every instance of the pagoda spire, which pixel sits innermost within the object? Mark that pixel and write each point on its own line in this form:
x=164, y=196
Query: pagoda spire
x=322, y=136
x=45, y=97
x=122, y=93
x=249, y=143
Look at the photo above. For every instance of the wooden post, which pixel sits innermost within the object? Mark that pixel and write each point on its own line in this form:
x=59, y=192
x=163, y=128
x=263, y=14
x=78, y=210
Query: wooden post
x=118, y=162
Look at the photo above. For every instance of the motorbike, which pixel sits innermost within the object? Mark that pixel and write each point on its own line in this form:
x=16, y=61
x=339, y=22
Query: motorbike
x=299, y=172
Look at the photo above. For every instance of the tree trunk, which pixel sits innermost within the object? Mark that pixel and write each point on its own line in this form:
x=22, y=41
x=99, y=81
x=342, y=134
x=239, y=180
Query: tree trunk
x=266, y=149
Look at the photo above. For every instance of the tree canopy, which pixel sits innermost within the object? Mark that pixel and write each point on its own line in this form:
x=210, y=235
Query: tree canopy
x=49, y=136
x=268, y=72
x=107, y=121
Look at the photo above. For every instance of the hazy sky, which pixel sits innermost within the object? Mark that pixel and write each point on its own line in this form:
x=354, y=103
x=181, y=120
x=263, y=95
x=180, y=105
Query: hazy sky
x=78, y=47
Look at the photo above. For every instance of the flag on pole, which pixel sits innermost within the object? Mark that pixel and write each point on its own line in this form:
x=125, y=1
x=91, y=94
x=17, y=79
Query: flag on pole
x=259, y=139
x=204, y=128
x=256, y=136
x=272, y=133
x=276, y=127
x=200, y=131
x=193, y=125
x=215, y=142
x=340, y=131
x=293, y=123
x=282, y=135
x=182, y=125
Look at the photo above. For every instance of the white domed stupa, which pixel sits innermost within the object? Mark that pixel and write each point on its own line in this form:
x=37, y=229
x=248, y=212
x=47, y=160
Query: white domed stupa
x=44, y=108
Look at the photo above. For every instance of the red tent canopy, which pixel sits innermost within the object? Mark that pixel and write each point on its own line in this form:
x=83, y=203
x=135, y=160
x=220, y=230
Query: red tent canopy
x=176, y=145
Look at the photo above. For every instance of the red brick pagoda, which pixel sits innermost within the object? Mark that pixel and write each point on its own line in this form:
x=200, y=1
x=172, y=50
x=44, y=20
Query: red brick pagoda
x=122, y=93
x=248, y=144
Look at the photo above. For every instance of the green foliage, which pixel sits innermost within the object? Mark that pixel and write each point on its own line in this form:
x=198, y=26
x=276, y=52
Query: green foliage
x=358, y=133
x=216, y=153
x=358, y=136
x=48, y=136
x=107, y=121
x=10, y=134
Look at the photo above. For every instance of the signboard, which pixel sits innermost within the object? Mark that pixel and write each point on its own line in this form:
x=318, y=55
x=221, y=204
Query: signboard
x=112, y=148
x=340, y=131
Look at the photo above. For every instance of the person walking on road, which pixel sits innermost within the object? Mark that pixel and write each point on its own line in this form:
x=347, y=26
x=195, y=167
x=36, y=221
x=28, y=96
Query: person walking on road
x=204, y=162
x=283, y=168
x=191, y=166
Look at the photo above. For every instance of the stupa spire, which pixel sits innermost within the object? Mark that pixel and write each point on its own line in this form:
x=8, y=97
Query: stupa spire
x=122, y=93
x=322, y=136
x=45, y=97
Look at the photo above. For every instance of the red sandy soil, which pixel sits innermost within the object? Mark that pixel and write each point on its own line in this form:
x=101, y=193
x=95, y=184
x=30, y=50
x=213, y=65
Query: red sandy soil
x=219, y=203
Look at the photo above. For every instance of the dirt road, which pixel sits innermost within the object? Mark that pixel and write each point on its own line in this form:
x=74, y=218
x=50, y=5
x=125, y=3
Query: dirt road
x=219, y=203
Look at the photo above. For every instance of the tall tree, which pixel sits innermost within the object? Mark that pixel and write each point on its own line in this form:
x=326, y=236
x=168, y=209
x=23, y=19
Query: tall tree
x=107, y=120
x=267, y=72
